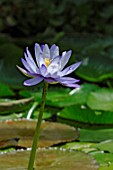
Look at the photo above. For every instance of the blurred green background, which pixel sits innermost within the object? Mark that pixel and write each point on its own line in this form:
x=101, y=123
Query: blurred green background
x=85, y=26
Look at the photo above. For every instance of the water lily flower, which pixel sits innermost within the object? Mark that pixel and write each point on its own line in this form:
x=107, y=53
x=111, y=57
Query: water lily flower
x=48, y=65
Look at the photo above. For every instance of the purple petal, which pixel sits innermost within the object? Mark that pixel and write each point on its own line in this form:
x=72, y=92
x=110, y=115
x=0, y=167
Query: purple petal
x=43, y=70
x=42, y=47
x=40, y=61
x=54, y=51
x=65, y=59
x=26, y=65
x=54, y=66
x=31, y=64
x=33, y=81
x=25, y=55
x=67, y=80
x=53, y=76
x=25, y=72
x=63, y=53
x=30, y=57
x=49, y=80
x=29, y=54
x=38, y=53
x=46, y=52
x=69, y=69
x=56, y=60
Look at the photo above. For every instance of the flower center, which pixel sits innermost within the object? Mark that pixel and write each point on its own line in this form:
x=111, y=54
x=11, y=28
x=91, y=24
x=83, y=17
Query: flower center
x=47, y=61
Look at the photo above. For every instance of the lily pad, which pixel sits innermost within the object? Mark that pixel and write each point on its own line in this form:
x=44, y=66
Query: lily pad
x=81, y=115
x=105, y=146
x=94, y=71
x=108, y=167
x=23, y=130
x=97, y=135
x=11, y=106
x=61, y=97
x=51, y=159
x=81, y=146
x=46, y=115
x=101, y=100
x=64, y=98
x=11, y=116
x=104, y=159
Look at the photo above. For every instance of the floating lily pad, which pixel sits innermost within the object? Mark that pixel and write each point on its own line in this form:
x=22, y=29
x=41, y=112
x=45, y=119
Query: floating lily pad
x=104, y=159
x=51, y=159
x=61, y=97
x=97, y=135
x=11, y=106
x=78, y=115
x=46, y=115
x=23, y=130
x=81, y=146
x=101, y=100
x=11, y=116
x=108, y=167
x=105, y=146
x=94, y=71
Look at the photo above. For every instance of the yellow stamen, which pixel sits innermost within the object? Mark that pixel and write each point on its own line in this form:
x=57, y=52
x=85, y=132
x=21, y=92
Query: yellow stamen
x=47, y=61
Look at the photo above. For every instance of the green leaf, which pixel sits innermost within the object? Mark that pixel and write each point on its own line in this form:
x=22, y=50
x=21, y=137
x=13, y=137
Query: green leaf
x=5, y=90
x=96, y=68
x=97, y=135
x=103, y=158
x=46, y=115
x=81, y=146
x=62, y=97
x=101, y=100
x=108, y=167
x=105, y=146
x=12, y=116
x=81, y=114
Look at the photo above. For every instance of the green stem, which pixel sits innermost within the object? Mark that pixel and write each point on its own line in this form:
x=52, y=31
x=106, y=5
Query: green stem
x=37, y=131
